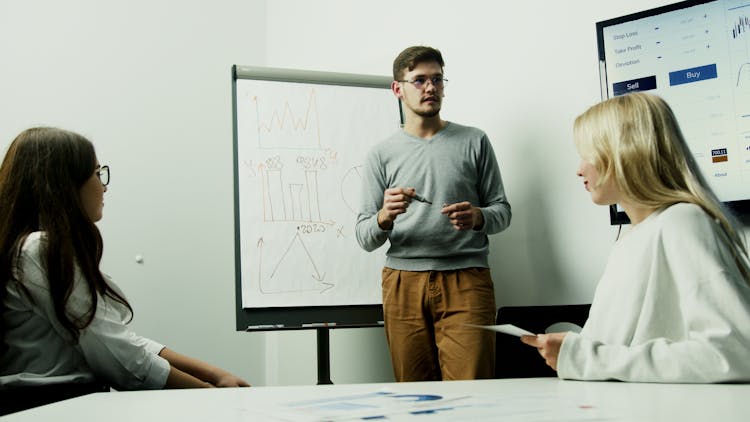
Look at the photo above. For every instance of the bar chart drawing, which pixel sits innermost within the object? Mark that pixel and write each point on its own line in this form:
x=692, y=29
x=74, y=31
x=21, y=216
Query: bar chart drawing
x=290, y=202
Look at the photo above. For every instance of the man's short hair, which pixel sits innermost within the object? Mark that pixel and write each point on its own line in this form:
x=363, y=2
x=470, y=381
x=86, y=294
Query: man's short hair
x=412, y=56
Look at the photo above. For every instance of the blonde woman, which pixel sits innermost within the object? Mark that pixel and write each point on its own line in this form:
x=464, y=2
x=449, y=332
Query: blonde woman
x=673, y=304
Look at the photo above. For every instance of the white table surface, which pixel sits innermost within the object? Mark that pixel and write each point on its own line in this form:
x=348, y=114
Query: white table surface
x=528, y=399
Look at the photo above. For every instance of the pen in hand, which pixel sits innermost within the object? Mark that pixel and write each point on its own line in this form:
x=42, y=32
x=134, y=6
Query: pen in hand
x=421, y=198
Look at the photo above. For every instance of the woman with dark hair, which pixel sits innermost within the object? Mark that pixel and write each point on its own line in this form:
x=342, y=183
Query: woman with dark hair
x=61, y=319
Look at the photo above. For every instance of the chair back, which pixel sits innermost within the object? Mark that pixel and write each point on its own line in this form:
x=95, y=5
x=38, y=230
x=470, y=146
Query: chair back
x=514, y=359
x=22, y=398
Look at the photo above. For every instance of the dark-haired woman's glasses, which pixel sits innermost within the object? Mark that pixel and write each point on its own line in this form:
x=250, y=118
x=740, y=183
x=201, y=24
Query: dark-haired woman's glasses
x=103, y=174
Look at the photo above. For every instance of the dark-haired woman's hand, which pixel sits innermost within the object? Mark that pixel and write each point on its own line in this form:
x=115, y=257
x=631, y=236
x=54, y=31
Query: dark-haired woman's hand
x=229, y=380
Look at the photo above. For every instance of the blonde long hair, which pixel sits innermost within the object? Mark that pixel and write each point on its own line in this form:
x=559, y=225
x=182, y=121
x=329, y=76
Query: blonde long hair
x=635, y=140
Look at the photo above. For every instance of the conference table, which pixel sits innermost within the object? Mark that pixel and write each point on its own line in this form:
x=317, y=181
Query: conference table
x=530, y=399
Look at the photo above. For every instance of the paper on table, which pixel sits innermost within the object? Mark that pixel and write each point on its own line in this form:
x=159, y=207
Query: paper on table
x=505, y=328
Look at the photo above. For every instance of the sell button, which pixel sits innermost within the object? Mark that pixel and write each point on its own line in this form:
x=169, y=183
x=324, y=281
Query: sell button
x=633, y=85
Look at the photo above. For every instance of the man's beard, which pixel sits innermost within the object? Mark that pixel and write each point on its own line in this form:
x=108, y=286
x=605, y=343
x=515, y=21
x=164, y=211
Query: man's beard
x=427, y=114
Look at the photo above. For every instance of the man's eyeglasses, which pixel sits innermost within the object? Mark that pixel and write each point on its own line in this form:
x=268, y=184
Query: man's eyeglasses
x=103, y=174
x=421, y=82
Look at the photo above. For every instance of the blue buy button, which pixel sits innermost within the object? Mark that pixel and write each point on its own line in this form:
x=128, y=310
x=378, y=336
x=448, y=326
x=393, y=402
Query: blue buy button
x=694, y=74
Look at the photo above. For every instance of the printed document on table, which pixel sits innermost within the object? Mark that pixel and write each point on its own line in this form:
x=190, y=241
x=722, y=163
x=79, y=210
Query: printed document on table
x=411, y=403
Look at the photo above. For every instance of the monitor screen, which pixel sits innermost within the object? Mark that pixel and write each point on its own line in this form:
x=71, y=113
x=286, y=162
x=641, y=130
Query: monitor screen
x=695, y=55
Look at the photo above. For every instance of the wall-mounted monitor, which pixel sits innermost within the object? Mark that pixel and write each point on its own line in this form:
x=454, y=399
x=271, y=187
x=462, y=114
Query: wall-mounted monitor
x=695, y=55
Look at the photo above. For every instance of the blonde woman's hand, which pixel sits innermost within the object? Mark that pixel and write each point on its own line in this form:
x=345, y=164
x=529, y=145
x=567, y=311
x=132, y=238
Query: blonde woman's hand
x=548, y=345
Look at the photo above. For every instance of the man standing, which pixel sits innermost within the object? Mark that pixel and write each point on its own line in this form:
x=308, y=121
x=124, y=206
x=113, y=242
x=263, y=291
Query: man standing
x=437, y=276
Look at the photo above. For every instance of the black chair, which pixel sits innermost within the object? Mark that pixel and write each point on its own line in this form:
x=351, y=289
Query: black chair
x=514, y=359
x=18, y=399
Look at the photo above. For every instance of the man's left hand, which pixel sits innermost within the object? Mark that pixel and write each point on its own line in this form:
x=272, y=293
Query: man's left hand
x=463, y=215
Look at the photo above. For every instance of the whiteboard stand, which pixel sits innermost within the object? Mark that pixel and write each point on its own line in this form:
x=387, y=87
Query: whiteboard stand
x=323, y=343
x=324, y=357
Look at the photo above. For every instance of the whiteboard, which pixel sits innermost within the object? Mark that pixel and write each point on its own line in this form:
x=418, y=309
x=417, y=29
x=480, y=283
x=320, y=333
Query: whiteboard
x=300, y=142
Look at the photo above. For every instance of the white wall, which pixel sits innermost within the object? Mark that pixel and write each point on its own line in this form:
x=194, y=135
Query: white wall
x=519, y=70
x=149, y=83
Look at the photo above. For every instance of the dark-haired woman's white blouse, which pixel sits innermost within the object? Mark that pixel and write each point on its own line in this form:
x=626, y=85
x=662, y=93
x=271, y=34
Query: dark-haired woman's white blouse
x=40, y=350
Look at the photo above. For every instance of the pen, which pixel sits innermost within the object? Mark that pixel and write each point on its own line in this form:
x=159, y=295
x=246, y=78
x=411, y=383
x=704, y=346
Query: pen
x=421, y=198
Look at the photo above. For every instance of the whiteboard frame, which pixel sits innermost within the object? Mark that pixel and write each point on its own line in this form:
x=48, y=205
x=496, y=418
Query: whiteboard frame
x=298, y=317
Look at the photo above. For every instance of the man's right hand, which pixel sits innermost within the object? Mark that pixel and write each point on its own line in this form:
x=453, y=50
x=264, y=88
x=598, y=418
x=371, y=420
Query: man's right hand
x=395, y=202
